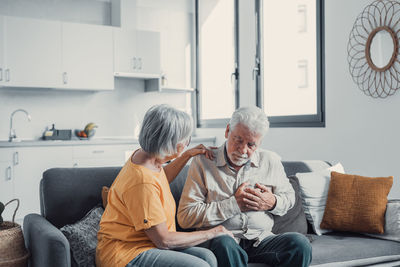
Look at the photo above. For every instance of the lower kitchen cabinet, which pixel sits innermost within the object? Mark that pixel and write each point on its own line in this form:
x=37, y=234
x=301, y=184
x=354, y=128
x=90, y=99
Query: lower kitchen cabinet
x=6, y=181
x=29, y=165
x=22, y=169
x=101, y=155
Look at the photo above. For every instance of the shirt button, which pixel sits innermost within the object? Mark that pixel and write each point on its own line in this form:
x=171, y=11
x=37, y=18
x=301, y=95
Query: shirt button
x=145, y=221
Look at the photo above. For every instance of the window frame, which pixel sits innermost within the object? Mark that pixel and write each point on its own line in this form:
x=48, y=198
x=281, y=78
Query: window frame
x=215, y=123
x=317, y=120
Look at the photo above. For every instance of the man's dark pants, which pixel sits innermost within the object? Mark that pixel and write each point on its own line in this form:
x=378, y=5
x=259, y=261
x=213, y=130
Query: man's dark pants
x=288, y=249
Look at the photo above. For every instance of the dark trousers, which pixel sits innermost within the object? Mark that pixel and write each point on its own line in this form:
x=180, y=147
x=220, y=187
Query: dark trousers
x=288, y=249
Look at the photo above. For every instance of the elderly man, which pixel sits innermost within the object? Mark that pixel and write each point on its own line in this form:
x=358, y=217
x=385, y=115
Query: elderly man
x=240, y=189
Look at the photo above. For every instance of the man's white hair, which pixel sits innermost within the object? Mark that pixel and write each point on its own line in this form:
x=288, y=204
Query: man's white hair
x=252, y=117
x=163, y=128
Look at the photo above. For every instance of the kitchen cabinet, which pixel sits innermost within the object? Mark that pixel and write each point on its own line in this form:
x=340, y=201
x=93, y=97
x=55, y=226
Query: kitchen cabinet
x=29, y=165
x=87, y=56
x=101, y=155
x=54, y=54
x=31, y=52
x=136, y=52
x=7, y=181
x=137, y=55
x=148, y=51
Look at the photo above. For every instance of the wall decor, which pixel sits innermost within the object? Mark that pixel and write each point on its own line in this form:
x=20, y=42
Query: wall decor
x=373, y=49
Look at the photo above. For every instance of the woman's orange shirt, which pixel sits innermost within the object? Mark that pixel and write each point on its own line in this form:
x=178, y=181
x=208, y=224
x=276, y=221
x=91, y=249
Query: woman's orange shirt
x=138, y=199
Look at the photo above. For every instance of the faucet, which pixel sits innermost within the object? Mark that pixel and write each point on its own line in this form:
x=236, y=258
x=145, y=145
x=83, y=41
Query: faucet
x=12, y=135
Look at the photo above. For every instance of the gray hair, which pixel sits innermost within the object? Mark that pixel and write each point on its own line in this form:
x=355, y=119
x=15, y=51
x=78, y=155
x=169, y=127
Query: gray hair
x=163, y=128
x=253, y=118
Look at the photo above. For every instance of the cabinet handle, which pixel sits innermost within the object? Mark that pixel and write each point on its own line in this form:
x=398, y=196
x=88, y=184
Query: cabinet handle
x=8, y=173
x=1, y=74
x=139, y=63
x=16, y=158
x=7, y=74
x=98, y=151
x=65, y=78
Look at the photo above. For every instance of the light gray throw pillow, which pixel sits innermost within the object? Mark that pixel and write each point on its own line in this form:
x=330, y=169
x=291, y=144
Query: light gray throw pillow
x=392, y=222
x=82, y=237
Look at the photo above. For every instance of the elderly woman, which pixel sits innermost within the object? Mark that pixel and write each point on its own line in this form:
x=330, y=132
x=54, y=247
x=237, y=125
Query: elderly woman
x=138, y=225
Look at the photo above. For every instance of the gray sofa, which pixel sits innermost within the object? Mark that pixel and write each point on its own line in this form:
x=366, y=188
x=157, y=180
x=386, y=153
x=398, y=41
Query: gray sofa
x=67, y=194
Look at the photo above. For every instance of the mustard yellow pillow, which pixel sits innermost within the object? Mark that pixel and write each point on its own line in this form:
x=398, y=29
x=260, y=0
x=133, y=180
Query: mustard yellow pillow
x=104, y=195
x=356, y=203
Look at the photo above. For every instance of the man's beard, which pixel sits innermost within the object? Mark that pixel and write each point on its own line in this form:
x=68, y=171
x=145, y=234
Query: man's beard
x=239, y=159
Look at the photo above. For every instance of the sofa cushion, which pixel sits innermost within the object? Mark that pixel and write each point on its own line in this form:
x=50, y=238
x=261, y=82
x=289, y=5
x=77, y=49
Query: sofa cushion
x=314, y=190
x=82, y=237
x=351, y=249
x=294, y=220
x=392, y=222
x=356, y=203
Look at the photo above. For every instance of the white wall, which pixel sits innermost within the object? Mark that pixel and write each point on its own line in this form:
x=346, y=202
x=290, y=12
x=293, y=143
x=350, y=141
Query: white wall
x=116, y=112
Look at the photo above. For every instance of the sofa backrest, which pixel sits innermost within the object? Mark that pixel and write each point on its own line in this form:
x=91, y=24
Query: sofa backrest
x=67, y=194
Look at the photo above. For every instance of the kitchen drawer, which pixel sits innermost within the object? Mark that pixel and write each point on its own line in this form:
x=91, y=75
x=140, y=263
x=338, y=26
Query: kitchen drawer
x=99, y=152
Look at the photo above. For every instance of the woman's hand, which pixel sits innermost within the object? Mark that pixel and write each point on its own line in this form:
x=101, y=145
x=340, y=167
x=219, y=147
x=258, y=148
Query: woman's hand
x=200, y=149
x=220, y=230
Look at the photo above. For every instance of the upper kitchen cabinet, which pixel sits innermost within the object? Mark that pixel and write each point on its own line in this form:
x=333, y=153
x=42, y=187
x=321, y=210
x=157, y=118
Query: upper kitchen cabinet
x=136, y=54
x=87, y=57
x=148, y=50
x=30, y=54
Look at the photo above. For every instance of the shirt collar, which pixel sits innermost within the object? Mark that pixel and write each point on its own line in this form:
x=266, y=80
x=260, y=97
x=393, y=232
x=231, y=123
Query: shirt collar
x=222, y=161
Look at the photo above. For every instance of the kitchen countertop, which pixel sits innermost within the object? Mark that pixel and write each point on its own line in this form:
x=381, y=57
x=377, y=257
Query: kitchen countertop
x=93, y=141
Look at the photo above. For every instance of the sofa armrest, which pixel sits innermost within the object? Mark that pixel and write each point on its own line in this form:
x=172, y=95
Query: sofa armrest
x=47, y=244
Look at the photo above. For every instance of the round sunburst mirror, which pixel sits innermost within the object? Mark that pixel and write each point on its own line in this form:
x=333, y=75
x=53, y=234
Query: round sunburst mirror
x=373, y=49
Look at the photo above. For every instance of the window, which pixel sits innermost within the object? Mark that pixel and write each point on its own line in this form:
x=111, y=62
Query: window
x=216, y=61
x=291, y=62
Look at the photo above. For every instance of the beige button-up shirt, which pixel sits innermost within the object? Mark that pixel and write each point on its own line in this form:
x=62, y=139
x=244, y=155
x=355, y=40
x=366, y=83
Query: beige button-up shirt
x=208, y=197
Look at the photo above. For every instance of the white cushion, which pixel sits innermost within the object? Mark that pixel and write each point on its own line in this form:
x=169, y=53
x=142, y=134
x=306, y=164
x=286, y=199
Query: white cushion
x=314, y=188
x=392, y=222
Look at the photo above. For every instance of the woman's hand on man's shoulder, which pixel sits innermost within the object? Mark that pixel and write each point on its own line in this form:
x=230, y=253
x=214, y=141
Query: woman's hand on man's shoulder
x=200, y=150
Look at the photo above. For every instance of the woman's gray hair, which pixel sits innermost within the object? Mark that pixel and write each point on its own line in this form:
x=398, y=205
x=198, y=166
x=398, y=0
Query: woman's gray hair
x=253, y=118
x=163, y=128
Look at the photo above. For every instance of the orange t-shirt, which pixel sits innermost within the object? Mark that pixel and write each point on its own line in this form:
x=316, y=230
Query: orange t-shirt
x=138, y=199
